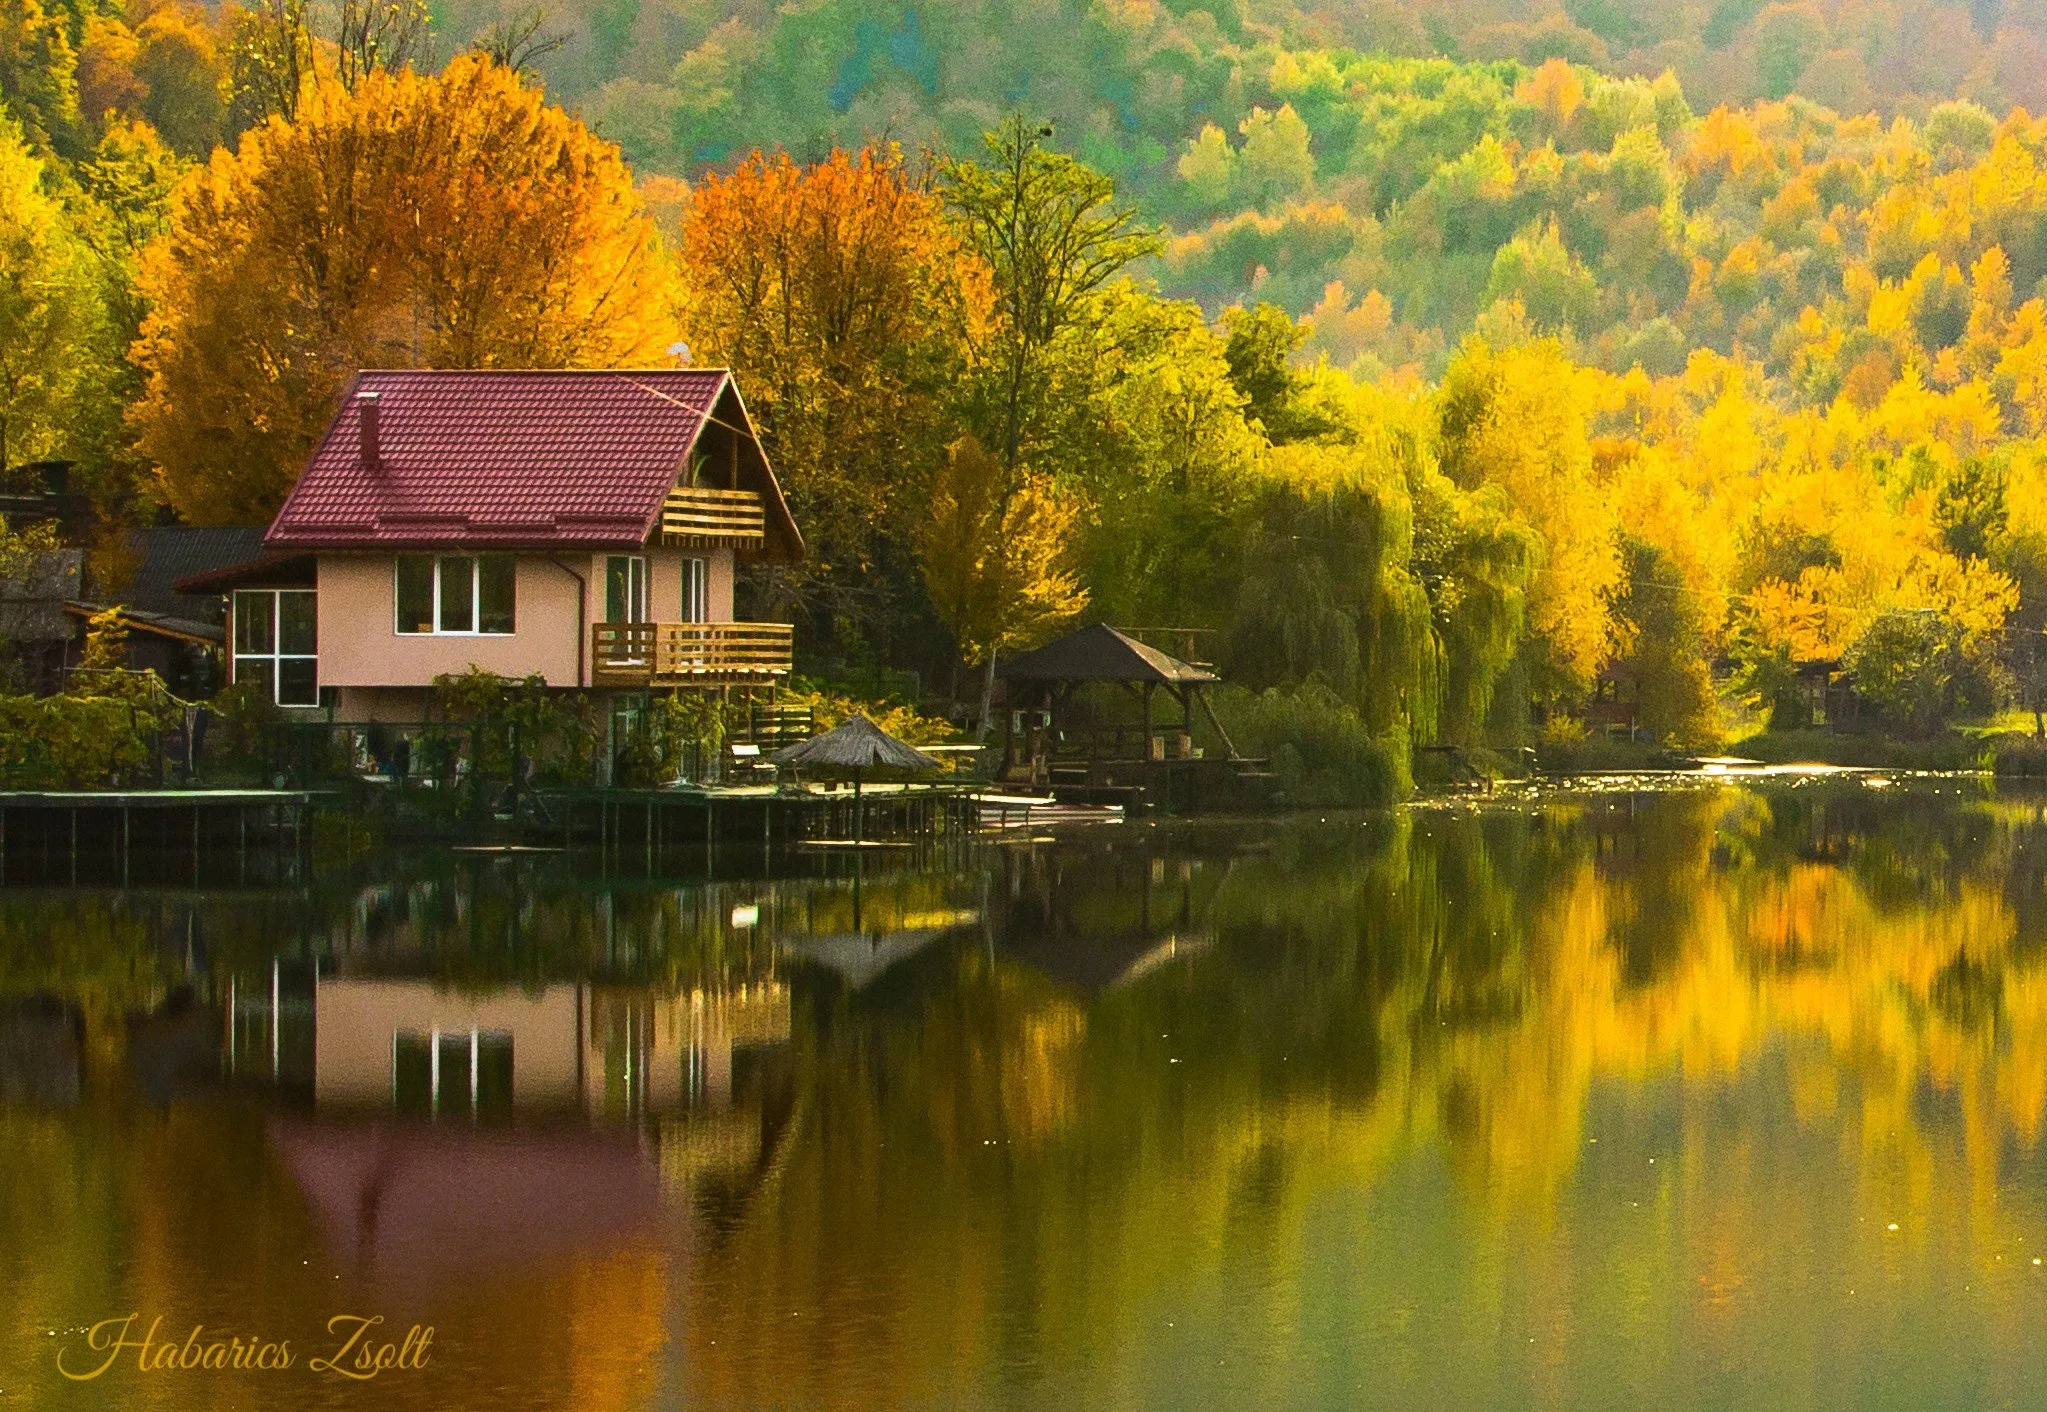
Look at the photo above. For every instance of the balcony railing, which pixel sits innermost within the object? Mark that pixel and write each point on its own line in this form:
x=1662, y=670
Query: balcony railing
x=733, y=517
x=688, y=654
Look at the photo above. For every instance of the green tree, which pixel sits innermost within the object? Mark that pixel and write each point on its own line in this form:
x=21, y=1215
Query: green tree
x=1051, y=231
x=1275, y=163
x=1536, y=268
x=1788, y=39
x=1160, y=443
x=49, y=312
x=1663, y=656
x=1260, y=350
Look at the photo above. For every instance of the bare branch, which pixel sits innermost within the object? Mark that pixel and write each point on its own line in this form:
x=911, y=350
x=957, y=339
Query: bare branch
x=516, y=43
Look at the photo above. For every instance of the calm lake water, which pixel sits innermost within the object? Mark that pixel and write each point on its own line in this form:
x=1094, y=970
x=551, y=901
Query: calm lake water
x=1729, y=1097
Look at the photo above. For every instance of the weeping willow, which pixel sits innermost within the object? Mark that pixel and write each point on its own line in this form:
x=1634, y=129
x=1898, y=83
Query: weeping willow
x=1369, y=572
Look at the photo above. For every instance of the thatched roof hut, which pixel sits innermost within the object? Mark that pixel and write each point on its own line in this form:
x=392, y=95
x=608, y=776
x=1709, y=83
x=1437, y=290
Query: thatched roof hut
x=855, y=744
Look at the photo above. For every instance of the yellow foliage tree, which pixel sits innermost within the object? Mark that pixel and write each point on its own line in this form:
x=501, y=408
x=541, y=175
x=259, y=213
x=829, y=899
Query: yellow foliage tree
x=1518, y=418
x=49, y=311
x=996, y=562
x=457, y=221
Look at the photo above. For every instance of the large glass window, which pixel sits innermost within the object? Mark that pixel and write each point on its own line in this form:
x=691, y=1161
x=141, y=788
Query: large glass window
x=696, y=591
x=277, y=643
x=625, y=589
x=462, y=594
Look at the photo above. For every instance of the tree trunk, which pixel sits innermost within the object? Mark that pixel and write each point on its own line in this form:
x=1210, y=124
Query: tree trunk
x=987, y=698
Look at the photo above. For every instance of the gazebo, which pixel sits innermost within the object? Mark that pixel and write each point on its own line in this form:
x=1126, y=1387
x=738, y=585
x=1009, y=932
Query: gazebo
x=1046, y=680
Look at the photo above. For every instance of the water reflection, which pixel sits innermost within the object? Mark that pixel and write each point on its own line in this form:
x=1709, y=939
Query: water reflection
x=1728, y=1096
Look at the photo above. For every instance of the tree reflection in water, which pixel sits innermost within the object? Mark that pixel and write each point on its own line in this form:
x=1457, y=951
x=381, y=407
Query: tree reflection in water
x=1576, y=1100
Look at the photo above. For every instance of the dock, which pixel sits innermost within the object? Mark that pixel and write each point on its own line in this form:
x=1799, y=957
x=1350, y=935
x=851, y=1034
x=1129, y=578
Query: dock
x=44, y=833
x=198, y=837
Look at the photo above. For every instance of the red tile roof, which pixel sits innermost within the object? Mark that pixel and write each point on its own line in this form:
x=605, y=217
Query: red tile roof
x=490, y=459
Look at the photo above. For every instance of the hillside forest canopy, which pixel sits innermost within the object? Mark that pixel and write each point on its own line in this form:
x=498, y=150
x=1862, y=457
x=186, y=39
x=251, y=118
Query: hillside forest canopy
x=1461, y=368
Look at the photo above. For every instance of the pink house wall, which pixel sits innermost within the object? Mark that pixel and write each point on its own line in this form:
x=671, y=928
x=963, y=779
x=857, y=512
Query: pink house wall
x=360, y=645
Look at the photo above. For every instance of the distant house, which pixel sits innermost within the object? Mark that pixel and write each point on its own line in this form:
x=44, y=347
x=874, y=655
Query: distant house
x=580, y=526
x=179, y=636
x=34, y=630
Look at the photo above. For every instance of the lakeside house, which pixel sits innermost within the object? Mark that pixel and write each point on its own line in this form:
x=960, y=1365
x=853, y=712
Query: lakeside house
x=579, y=526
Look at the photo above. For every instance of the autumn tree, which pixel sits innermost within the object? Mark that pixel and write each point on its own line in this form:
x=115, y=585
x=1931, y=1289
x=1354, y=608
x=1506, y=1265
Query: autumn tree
x=845, y=303
x=456, y=221
x=995, y=557
x=1517, y=418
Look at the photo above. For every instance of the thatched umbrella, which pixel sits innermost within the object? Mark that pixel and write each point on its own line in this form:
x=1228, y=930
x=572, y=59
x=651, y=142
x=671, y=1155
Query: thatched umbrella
x=855, y=744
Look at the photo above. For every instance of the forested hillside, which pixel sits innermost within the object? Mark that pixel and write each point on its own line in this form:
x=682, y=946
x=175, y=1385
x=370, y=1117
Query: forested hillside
x=1460, y=398
x=681, y=81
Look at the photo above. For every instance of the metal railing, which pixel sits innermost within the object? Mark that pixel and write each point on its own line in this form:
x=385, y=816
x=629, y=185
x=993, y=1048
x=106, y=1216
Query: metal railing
x=735, y=517
x=689, y=654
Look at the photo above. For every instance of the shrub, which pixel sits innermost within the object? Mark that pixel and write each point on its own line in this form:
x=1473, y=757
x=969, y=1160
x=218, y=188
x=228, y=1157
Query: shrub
x=76, y=742
x=1319, y=745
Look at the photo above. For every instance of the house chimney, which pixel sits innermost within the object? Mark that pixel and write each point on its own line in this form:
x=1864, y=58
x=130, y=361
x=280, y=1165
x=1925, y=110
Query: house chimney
x=370, y=425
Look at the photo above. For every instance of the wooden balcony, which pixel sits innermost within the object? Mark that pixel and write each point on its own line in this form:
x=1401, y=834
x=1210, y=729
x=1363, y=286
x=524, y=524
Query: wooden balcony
x=733, y=517
x=688, y=654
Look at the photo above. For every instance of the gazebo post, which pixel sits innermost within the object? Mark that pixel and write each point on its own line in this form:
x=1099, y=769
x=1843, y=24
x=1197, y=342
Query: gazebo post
x=1145, y=749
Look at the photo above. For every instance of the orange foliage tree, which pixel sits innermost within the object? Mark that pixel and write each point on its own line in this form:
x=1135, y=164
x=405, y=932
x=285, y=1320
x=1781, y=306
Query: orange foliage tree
x=844, y=302
x=456, y=221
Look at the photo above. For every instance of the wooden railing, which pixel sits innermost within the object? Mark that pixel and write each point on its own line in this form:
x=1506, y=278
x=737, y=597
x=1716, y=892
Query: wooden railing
x=734, y=517
x=688, y=654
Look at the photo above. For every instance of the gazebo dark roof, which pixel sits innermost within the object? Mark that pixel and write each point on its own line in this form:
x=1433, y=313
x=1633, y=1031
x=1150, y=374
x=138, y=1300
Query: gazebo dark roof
x=1099, y=653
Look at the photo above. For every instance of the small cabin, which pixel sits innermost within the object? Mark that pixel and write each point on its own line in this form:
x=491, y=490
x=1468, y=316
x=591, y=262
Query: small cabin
x=580, y=526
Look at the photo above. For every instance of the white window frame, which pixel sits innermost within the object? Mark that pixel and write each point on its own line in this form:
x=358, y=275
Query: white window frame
x=476, y=628
x=275, y=656
x=696, y=590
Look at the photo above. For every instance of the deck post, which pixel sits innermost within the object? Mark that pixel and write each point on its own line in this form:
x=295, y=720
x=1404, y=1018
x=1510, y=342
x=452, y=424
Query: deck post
x=74, y=843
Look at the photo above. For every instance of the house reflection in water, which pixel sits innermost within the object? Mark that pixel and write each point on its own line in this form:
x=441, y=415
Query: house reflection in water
x=456, y=1133
x=611, y=1052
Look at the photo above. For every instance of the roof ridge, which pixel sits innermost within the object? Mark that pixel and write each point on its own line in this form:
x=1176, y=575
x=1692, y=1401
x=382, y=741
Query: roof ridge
x=544, y=372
